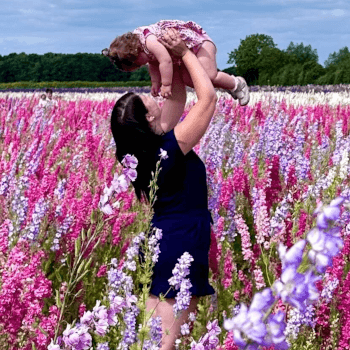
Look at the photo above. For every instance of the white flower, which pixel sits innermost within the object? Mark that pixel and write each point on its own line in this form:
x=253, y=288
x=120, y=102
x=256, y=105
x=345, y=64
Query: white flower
x=163, y=154
x=107, y=209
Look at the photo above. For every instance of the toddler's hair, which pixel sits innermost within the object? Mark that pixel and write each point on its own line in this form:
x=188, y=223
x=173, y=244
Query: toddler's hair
x=123, y=50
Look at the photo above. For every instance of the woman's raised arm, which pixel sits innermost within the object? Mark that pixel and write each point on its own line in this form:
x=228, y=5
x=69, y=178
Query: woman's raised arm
x=174, y=106
x=190, y=131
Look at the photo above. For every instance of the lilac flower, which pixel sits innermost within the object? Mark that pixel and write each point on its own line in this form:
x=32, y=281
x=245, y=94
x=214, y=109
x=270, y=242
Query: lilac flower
x=163, y=154
x=213, y=327
x=153, y=244
x=87, y=318
x=53, y=346
x=129, y=336
x=155, y=324
x=78, y=337
x=248, y=324
x=116, y=305
x=296, y=319
x=130, y=174
x=294, y=255
x=183, y=297
x=102, y=346
x=130, y=161
x=181, y=270
x=292, y=288
x=178, y=281
x=59, y=191
x=329, y=287
x=192, y=316
x=324, y=248
x=32, y=230
x=120, y=183
x=262, y=301
x=275, y=332
x=61, y=231
x=185, y=329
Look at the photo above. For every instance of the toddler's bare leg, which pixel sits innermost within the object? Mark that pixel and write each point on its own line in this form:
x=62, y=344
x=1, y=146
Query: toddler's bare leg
x=207, y=57
x=169, y=322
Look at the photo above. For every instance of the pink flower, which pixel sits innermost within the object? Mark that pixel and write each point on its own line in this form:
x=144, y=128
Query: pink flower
x=259, y=278
x=242, y=229
x=102, y=271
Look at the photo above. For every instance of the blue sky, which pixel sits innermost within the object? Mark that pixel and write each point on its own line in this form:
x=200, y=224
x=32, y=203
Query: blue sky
x=71, y=26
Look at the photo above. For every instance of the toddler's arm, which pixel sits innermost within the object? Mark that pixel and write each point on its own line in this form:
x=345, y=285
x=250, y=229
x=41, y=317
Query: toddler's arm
x=165, y=63
x=155, y=78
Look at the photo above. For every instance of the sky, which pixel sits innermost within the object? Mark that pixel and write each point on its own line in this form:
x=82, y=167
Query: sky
x=71, y=26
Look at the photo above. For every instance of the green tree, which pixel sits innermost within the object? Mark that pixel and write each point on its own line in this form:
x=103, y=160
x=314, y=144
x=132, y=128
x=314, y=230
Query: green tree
x=336, y=58
x=271, y=59
x=230, y=70
x=245, y=58
x=140, y=74
x=301, y=54
x=312, y=71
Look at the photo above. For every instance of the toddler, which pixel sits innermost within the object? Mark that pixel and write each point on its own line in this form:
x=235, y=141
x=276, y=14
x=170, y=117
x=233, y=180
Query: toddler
x=130, y=51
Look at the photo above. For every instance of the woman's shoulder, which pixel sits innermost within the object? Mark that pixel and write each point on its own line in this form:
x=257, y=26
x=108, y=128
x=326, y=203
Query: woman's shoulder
x=169, y=142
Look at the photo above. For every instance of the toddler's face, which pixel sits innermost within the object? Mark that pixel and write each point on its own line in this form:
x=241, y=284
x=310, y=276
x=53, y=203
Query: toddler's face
x=130, y=68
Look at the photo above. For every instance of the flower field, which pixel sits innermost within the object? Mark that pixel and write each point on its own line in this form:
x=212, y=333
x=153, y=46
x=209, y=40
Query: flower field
x=71, y=227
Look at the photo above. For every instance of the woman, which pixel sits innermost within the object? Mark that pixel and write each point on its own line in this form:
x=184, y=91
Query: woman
x=141, y=128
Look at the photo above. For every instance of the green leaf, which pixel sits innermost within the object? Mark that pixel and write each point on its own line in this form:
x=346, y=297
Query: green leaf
x=82, y=276
x=58, y=300
x=77, y=246
x=57, y=274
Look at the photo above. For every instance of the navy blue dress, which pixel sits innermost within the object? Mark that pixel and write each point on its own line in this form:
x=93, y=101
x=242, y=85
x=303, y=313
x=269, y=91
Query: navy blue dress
x=181, y=211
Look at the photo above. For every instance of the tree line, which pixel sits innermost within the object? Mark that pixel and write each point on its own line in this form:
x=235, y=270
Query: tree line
x=257, y=59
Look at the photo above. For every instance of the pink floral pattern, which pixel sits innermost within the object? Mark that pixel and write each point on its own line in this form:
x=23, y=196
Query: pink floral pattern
x=191, y=33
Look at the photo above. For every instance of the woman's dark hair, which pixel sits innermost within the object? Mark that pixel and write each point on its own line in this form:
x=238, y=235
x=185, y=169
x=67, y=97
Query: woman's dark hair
x=133, y=135
x=123, y=50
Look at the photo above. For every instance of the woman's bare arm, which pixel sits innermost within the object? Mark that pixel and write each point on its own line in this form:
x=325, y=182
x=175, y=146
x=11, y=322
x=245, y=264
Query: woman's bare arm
x=174, y=106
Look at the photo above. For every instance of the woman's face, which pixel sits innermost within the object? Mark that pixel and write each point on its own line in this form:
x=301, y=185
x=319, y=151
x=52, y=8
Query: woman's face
x=154, y=113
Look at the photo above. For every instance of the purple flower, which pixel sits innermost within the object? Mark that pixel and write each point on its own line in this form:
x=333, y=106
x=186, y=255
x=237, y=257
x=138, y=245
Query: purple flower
x=292, y=288
x=310, y=281
x=324, y=248
x=102, y=346
x=213, y=327
x=120, y=183
x=77, y=338
x=183, y=297
x=130, y=161
x=181, y=270
x=185, y=329
x=101, y=326
x=247, y=324
x=130, y=174
x=155, y=324
x=294, y=255
x=262, y=301
x=329, y=213
x=163, y=154
x=87, y=317
x=275, y=332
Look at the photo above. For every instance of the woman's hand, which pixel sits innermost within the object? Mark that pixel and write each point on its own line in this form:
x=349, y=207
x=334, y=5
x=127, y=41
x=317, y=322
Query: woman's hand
x=172, y=41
